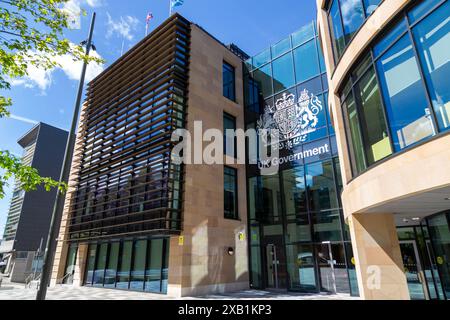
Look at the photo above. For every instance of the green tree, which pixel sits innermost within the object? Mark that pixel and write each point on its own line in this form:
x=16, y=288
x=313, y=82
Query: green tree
x=31, y=33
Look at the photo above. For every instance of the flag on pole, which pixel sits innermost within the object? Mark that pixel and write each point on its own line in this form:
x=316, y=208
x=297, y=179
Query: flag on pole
x=148, y=19
x=175, y=3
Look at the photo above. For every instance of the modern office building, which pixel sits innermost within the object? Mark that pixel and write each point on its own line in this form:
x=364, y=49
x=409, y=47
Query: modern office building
x=28, y=220
x=134, y=219
x=388, y=66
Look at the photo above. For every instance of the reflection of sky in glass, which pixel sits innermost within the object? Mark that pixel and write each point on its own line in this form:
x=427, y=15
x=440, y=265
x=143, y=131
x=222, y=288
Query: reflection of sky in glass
x=352, y=14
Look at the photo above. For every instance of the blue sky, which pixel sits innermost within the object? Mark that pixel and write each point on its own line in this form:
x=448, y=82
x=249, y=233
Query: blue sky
x=48, y=97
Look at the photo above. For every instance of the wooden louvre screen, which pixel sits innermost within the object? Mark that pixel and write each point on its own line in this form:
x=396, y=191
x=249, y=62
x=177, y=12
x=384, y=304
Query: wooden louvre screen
x=125, y=182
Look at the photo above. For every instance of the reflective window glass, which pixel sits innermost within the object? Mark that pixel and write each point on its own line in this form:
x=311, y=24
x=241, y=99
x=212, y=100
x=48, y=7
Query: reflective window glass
x=306, y=63
x=154, y=265
x=265, y=199
x=263, y=78
x=283, y=73
x=294, y=190
x=439, y=228
x=371, y=6
x=404, y=95
x=337, y=32
x=373, y=124
x=101, y=264
x=229, y=141
x=299, y=230
x=123, y=274
x=421, y=9
x=281, y=48
x=304, y=34
x=229, y=85
x=137, y=274
x=313, y=86
x=433, y=43
x=230, y=193
x=352, y=17
x=111, y=267
x=323, y=67
x=261, y=59
x=70, y=263
x=301, y=267
x=90, y=263
x=387, y=40
x=355, y=137
x=255, y=263
x=327, y=226
x=320, y=186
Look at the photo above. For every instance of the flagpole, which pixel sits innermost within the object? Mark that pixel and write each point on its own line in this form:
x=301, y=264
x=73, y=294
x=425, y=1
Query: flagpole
x=170, y=8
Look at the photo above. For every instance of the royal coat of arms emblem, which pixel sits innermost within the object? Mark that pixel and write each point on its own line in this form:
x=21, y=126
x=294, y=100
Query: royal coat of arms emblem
x=292, y=118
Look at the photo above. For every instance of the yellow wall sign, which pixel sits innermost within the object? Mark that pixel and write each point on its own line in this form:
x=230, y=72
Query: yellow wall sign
x=241, y=236
x=181, y=240
x=440, y=260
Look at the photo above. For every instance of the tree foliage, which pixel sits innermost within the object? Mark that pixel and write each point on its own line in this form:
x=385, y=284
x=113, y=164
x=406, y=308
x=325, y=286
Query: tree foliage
x=31, y=34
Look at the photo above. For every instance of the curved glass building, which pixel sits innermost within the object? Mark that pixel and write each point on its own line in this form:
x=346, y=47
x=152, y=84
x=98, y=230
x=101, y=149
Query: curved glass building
x=388, y=63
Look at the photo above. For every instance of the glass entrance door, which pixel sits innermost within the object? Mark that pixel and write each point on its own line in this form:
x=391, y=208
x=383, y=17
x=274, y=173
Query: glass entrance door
x=275, y=266
x=413, y=270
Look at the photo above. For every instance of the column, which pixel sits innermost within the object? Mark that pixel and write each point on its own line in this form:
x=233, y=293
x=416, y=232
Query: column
x=377, y=255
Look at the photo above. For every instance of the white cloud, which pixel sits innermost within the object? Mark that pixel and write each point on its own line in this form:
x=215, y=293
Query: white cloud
x=73, y=10
x=36, y=78
x=124, y=27
x=95, y=3
x=41, y=79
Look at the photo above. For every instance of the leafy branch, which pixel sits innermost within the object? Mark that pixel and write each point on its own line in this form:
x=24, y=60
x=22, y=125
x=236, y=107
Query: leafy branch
x=31, y=34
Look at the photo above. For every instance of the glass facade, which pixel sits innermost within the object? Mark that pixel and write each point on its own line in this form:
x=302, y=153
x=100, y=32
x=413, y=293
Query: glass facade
x=397, y=96
x=139, y=265
x=345, y=17
x=295, y=217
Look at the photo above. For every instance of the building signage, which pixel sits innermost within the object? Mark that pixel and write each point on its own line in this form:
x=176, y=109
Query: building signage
x=309, y=153
x=294, y=119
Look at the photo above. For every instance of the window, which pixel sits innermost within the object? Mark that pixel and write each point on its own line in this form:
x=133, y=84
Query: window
x=281, y=47
x=252, y=98
x=306, y=62
x=123, y=274
x=261, y=59
x=374, y=128
x=352, y=13
x=230, y=193
x=398, y=95
x=263, y=78
x=354, y=136
x=111, y=269
x=321, y=187
x=138, y=271
x=432, y=37
x=229, y=140
x=336, y=29
x=371, y=6
x=283, y=74
x=229, y=85
x=303, y=35
x=404, y=95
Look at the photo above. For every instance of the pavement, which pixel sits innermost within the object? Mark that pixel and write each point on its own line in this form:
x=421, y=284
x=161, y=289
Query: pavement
x=17, y=291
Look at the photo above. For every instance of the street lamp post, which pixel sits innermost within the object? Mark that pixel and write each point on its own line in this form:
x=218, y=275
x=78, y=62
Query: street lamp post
x=50, y=246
